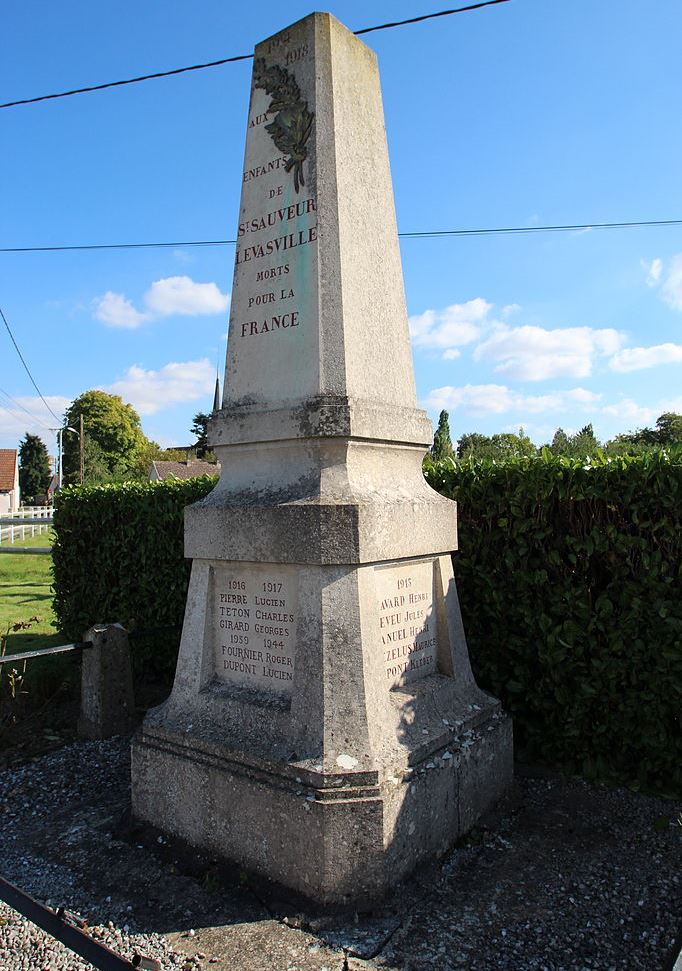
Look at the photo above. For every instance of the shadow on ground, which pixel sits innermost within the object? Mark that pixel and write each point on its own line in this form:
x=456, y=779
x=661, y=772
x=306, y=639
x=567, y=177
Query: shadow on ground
x=562, y=876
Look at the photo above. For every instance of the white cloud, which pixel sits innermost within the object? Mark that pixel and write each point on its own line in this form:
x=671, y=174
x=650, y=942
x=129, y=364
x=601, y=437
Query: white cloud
x=653, y=272
x=487, y=399
x=116, y=310
x=671, y=404
x=628, y=410
x=639, y=358
x=535, y=354
x=15, y=422
x=181, y=295
x=173, y=295
x=671, y=290
x=509, y=309
x=670, y=281
x=451, y=354
x=150, y=391
x=458, y=324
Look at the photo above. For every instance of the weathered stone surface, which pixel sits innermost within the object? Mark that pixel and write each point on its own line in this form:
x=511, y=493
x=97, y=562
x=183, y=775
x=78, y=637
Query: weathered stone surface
x=107, y=699
x=324, y=727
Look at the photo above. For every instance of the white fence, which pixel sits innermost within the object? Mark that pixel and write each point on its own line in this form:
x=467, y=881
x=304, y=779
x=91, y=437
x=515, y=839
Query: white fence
x=27, y=520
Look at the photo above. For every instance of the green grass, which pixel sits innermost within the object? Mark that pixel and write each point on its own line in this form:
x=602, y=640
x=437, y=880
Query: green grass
x=25, y=592
x=48, y=686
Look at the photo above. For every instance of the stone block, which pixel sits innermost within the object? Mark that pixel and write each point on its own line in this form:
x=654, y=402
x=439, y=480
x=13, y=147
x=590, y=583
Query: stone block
x=107, y=697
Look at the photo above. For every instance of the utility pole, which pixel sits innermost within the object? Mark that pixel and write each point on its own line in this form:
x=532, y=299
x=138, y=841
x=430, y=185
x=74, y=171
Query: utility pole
x=60, y=451
x=59, y=457
x=81, y=448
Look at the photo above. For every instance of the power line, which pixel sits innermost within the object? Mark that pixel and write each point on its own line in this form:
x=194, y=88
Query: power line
x=569, y=228
x=119, y=84
x=429, y=16
x=21, y=358
x=230, y=60
x=30, y=414
x=430, y=234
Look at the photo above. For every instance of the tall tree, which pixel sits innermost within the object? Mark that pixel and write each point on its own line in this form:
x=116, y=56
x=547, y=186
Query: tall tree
x=113, y=439
x=200, y=430
x=34, y=467
x=560, y=443
x=442, y=443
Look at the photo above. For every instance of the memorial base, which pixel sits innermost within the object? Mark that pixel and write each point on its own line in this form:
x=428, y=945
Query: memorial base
x=341, y=841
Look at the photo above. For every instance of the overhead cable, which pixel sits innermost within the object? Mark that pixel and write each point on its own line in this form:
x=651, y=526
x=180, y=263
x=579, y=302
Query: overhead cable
x=430, y=234
x=19, y=405
x=428, y=16
x=230, y=60
x=26, y=368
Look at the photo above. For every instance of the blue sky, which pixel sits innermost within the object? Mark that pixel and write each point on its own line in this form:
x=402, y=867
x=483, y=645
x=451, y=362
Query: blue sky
x=528, y=113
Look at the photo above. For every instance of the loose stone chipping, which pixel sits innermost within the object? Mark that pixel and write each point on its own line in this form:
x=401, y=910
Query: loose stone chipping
x=565, y=877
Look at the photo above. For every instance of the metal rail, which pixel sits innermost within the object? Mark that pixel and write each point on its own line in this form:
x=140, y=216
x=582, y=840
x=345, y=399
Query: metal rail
x=72, y=932
x=25, y=521
x=44, y=651
x=26, y=549
x=82, y=645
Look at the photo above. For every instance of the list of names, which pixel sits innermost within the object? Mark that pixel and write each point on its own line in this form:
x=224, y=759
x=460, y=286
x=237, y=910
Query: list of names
x=407, y=621
x=255, y=627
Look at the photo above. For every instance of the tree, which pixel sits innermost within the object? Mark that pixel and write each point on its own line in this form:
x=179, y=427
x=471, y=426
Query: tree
x=442, y=443
x=200, y=430
x=669, y=428
x=501, y=446
x=34, y=467
x=508, y=445
x=472, y=445
x=668, y=431
x=582, y=445
x=114, y=442
x=560, y=443
x=585, y=443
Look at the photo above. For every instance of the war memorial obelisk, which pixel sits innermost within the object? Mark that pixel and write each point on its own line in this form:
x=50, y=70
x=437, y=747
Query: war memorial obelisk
x=324, y=727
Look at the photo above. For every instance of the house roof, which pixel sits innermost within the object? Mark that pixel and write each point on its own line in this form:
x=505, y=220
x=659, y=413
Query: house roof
x=8, y=466
x=185, y=470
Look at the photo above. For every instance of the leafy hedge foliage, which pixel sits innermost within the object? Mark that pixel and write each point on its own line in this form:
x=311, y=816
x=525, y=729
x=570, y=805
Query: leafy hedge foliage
x=569, y=579
x=118, y=556
x=570, y=582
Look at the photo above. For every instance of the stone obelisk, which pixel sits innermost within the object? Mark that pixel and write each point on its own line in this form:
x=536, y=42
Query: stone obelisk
x=324, y=727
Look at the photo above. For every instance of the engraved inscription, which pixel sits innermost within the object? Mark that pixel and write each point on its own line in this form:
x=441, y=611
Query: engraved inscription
x=275, y=295
x=255, y=614
x=406, y=621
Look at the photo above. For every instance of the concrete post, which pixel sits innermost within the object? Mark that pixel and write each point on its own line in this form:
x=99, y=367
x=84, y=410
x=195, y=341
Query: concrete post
x=107, y=698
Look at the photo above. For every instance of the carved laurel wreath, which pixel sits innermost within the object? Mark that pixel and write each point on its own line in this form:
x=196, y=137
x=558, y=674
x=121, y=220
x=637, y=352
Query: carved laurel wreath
x=290, y=129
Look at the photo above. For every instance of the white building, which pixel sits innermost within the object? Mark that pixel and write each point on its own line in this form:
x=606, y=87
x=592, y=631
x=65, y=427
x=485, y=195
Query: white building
x=9, y=480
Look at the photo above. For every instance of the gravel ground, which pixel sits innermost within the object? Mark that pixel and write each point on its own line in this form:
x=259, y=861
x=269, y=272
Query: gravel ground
x=563, y=877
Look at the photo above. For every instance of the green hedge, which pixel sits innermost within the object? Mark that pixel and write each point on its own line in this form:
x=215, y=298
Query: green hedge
x=118, y=556
x=569, y=578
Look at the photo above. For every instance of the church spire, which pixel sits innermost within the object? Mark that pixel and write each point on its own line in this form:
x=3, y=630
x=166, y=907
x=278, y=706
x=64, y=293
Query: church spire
x=216, y=396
